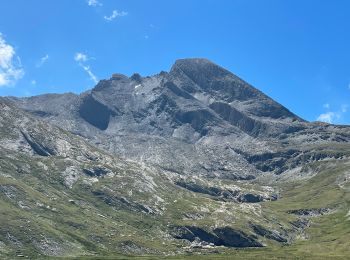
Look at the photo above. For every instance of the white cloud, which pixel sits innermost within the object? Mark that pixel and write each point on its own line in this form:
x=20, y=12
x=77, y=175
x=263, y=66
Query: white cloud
x=328, y=117
x=115, y=14
x=33, y=82
x=10, y=64
x=42, y=61
x=94, y=3
x=81, y=58
x=333, y=116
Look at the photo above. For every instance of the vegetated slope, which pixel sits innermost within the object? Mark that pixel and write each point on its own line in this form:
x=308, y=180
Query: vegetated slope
x=60, y=196
x=190, y=160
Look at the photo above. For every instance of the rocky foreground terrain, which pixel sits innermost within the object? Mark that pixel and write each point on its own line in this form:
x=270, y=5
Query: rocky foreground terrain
x=194, y=161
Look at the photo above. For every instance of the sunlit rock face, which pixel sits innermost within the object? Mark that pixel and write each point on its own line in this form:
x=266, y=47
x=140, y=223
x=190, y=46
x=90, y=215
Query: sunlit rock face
x=190, y=120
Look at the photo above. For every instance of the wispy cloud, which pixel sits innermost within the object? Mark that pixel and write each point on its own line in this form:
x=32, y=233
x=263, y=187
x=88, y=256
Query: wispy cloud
x=42, y=61
x=91, y=75
x=33, y=82
x=94, y=3
x=328, y=117
x=82, y=58
x=115, y=14
x=333, y=116
x=10, y=64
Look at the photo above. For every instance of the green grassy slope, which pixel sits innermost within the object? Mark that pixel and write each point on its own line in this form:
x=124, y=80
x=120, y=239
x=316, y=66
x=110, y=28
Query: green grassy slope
x=83, y=203
x=36, y=207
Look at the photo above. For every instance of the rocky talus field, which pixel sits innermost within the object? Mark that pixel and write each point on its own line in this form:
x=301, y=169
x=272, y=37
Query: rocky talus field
x=194, y=163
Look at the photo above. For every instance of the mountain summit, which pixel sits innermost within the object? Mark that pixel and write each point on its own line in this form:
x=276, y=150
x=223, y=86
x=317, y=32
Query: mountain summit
x=160, y=118
x=170, y=114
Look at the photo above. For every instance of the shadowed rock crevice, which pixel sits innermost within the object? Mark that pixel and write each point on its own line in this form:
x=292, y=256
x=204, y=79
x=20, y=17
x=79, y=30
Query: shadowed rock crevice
x=198, y=119
x=41, y=113
x=281, y=161
x=273, y=235
x=250, y=198
x=121, y=203
x=236, y=118
x=225, y=194
x=177, y=91
x=163, y=104
x=310, y=212
x=38, y=147
x=213, y=191
x=96, y=171
x=95, y=113
x=224, y=236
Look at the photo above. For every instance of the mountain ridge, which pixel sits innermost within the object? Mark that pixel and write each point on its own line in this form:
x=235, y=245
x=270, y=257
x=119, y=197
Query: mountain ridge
x=172, y=108
x=194, y=157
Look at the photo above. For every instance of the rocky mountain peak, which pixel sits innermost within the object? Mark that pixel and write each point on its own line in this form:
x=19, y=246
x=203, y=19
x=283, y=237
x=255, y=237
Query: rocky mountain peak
x=198, y=69
x=118, y=76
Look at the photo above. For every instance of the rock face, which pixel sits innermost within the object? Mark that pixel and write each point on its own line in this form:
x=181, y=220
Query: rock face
x=190, y=120
x=190, y=158
x=268, y=233
x=224, y=236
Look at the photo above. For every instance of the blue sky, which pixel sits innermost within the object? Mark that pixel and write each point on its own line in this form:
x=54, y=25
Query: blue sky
x=297, y=52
